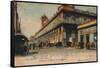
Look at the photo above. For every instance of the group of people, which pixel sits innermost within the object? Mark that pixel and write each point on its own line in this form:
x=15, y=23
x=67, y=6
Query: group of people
x=47, y=44
x=59, y=44
x=88, y=45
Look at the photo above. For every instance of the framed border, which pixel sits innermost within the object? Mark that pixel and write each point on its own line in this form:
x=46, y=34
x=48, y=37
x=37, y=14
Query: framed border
x=12, y=50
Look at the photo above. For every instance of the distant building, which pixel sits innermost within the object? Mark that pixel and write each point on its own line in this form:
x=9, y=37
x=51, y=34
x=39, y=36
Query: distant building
x=69, y=25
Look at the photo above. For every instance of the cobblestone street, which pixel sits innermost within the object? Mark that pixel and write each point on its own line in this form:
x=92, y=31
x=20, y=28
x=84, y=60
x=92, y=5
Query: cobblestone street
x=56, y=55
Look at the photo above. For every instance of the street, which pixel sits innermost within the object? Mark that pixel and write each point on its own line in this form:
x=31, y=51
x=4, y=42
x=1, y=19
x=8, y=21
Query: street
x=56, y=55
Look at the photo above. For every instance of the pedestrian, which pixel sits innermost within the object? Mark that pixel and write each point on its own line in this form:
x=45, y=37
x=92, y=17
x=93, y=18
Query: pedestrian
x=34, y=46
x=26, y=50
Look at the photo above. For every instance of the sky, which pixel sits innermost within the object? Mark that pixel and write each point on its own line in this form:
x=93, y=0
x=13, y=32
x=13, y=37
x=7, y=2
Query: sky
x=30, y=14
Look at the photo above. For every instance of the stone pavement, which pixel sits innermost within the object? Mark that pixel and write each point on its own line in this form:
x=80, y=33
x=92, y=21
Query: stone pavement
x=56, y=55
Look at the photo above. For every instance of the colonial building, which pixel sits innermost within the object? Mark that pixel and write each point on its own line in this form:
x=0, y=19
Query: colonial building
x=69, y=25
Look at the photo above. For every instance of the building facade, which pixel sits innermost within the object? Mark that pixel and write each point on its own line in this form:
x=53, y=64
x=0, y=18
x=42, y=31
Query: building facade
x=87, y=33
x=67, y=26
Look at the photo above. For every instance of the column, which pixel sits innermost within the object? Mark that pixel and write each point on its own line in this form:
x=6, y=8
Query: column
x=78, y=36
x=56, y=35
x=84, y=40
x=91, y=38
x=62, y=36
x=53, y=36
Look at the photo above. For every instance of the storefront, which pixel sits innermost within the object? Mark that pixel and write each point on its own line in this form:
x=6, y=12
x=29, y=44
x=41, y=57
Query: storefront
x=87, y=33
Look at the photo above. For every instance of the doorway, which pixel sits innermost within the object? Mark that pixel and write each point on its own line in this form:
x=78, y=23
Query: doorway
x=87, y=41
x=81, y=42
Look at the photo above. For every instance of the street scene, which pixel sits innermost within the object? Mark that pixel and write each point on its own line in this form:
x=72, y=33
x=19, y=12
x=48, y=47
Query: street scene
x=56, y=56
x=46, y=33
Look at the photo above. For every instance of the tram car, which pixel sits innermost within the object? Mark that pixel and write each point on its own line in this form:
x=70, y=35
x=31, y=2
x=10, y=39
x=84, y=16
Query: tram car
x=21, y=44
